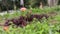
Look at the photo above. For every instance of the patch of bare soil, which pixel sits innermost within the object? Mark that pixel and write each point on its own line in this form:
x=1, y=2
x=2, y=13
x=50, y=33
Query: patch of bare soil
x=53, y=22
x=52, y=15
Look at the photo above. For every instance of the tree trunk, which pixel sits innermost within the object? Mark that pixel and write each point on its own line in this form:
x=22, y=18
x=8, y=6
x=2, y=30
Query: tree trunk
x=55, y=2
x=41, y=5
x=22, y=2
x=0, y=9
x=52, y=2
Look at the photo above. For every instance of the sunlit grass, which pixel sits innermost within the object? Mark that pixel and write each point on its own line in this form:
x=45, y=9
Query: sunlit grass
x=34, y=27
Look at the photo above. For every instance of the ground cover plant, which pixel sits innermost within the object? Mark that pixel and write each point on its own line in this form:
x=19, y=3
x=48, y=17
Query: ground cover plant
x=29, y=22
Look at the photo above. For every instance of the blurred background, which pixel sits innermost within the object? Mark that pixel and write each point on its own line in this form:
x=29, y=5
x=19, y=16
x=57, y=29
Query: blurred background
x=6, y=5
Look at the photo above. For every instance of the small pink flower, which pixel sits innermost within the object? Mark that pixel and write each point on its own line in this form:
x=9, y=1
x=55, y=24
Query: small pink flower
x=23, y=9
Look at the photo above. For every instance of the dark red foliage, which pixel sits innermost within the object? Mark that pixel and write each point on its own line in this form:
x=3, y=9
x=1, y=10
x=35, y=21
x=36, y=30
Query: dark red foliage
x=30, y=18
x=15, y=21
x=22, y=20
x=39, y=17
x=46, y=16
x=7, y=23
x=22, y=23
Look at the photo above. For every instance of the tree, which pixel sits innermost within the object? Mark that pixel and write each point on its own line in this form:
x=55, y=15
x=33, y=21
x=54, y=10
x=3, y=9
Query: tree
x=52, y=2
x=4, y=2
x=22, y=3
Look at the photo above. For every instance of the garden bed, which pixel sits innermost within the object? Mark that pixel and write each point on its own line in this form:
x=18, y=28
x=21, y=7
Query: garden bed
x=50, y=26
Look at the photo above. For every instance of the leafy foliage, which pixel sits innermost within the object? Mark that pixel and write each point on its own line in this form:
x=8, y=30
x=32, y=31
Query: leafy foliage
x=35, y=26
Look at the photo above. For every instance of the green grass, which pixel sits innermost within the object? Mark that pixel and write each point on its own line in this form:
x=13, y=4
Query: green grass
x=33, y=28
x=46, y=27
